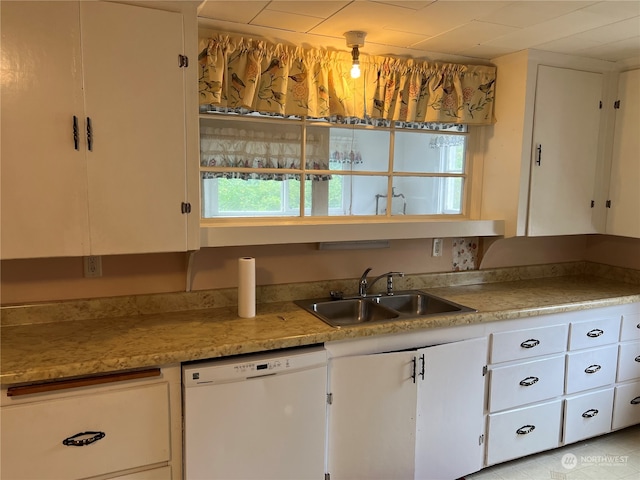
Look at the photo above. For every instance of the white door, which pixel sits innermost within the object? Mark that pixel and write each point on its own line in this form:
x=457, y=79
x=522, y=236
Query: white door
x=43, y=178
x=134, y=94
x=623, y=217
x=450, y=424
x=372, y=416
x=565, y=142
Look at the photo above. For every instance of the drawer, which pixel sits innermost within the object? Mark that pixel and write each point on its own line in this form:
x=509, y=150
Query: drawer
x=527, y=343
x=135, y=423
x=163, y=473
x=628, y=361
x=524, y=431
x=587, y=415
x=591, y=368
x=528, y=382
x=594, y=333
x=626, y=405
x=630, y=329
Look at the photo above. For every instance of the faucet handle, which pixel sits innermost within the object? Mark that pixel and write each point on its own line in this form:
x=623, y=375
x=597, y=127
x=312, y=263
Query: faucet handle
x=390, y=276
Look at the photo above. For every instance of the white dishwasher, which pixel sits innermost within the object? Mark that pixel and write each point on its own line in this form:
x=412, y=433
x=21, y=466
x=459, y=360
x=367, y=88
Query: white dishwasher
x=256, y=416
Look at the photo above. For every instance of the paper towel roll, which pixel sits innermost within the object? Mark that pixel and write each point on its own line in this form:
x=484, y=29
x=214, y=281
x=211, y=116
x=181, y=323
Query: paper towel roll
x=247, y=287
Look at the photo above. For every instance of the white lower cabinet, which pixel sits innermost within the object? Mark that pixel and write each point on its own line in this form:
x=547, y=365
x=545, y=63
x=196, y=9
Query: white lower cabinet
x=591, y=368
x=120, y=430
x=408, y=414
x=523, y=431
x=626, y=405
x=587, y=415
x=628, y=361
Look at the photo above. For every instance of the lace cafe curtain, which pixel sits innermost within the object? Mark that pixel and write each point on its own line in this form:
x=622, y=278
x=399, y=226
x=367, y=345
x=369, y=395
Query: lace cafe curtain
x=243, y=73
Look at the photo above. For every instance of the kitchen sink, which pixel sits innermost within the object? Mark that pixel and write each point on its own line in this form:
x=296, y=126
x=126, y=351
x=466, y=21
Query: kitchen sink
x=380, y=308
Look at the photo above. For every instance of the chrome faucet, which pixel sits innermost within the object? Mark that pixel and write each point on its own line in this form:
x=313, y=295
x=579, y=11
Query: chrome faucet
x=363, y=284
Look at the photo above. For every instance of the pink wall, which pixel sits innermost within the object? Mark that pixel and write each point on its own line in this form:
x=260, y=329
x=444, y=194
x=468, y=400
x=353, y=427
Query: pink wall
x=24, y=281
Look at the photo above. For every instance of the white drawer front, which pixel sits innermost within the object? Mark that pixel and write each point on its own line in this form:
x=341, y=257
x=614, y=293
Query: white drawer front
x=594, y=333
x=527, y=382
x=592, y=368
x=630, y=329
x=629, y=361
x=527, y=343
x=162, y=473
x=520, y=432
x=587, y=415
x=135, y=422
x=626, y=405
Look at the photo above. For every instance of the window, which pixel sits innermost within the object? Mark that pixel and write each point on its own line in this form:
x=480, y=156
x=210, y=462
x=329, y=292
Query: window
x=252, y=167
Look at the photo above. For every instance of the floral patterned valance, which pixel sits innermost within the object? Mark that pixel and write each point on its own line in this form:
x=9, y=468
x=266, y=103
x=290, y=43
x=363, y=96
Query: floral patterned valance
x=238, y=72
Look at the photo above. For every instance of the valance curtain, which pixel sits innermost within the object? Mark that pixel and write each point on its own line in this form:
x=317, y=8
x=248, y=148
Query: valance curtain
x=239, y=72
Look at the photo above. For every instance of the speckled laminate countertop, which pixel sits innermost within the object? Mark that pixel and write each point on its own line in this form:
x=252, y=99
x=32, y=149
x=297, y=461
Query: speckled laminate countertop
x=37, y=352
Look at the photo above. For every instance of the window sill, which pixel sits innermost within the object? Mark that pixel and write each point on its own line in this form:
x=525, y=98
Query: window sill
x=264, y=233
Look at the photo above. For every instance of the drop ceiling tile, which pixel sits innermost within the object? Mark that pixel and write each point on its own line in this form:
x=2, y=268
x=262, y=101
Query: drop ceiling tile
x=321, y=9
x=612, y=32
x=570, y=45
x=397, y=39
x=237, y=11
x=528, y=13
x=614, y=51
x=285, y=21
x=487, y=52
x=465, y=37
x=616, y=10
x=413, y=4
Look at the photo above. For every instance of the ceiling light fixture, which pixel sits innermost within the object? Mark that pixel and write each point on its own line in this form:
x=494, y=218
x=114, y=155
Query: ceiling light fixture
x=355, y=39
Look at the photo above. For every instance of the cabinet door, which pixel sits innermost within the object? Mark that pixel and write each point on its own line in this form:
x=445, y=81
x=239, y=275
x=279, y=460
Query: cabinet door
x=623, y=217
x=372, y=416
x=43, y=179
x=450, y=421
x=563, y=173
x=134, y=97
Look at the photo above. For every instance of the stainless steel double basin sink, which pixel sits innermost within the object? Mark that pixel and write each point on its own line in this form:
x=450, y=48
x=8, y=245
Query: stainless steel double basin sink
x=380, y=308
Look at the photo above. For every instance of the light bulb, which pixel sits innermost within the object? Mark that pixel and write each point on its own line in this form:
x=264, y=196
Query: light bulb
x=355, y=70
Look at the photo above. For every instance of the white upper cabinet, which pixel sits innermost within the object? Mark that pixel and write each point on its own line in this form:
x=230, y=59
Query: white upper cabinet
x=623, y=214
x=543, y=157
x=565, y=151
x=94, y=130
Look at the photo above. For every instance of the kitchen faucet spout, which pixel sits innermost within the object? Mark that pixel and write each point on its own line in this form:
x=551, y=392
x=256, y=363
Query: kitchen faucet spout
x=363, y=284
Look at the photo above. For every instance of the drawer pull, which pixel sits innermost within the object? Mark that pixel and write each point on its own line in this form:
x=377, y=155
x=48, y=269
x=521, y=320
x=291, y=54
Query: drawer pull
x=635, y=401
x=532, y=342
x=526, y=429
x=75, y=441
x=590, y=413
x=637, y=359
x=592, y=369
x=527, y=382
x=596, y=332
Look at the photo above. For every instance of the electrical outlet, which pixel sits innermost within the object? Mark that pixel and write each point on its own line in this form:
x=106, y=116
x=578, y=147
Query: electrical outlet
x=436, y=250
x=93, y=266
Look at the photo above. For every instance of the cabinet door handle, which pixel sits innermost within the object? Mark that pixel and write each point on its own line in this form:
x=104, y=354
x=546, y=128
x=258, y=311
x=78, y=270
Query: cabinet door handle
x=413, y=373
x=592, y=412
x=525, y=429
x=532, y=342
x=596, y=332
x=592, y=369
x=87, y=439
x=635, y=401
x=76, y=134
x=637, y=359
x=638, y=326
x=527, y=382
x=422, y=370
x=539, y=154
x=89, y=135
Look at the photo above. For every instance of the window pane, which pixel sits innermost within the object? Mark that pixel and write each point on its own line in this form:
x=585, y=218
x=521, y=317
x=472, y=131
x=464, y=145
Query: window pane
x=344, y=195
x=428, y=153
x=235, y=197
x=428, y=195
x=350, y=149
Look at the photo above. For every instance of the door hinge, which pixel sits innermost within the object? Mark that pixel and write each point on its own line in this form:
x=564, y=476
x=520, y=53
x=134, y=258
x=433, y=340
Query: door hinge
x=183, y=61
x=329, y=398
x=185, y=207
x=600, y=104
x=481, y=439
x=616, y=104
x=327, y=476
x=608, y=204
x=484, y=370
x=593, y=203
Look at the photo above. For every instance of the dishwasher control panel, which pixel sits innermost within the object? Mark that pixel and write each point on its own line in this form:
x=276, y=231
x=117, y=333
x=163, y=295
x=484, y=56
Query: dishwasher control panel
x=239, y=368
